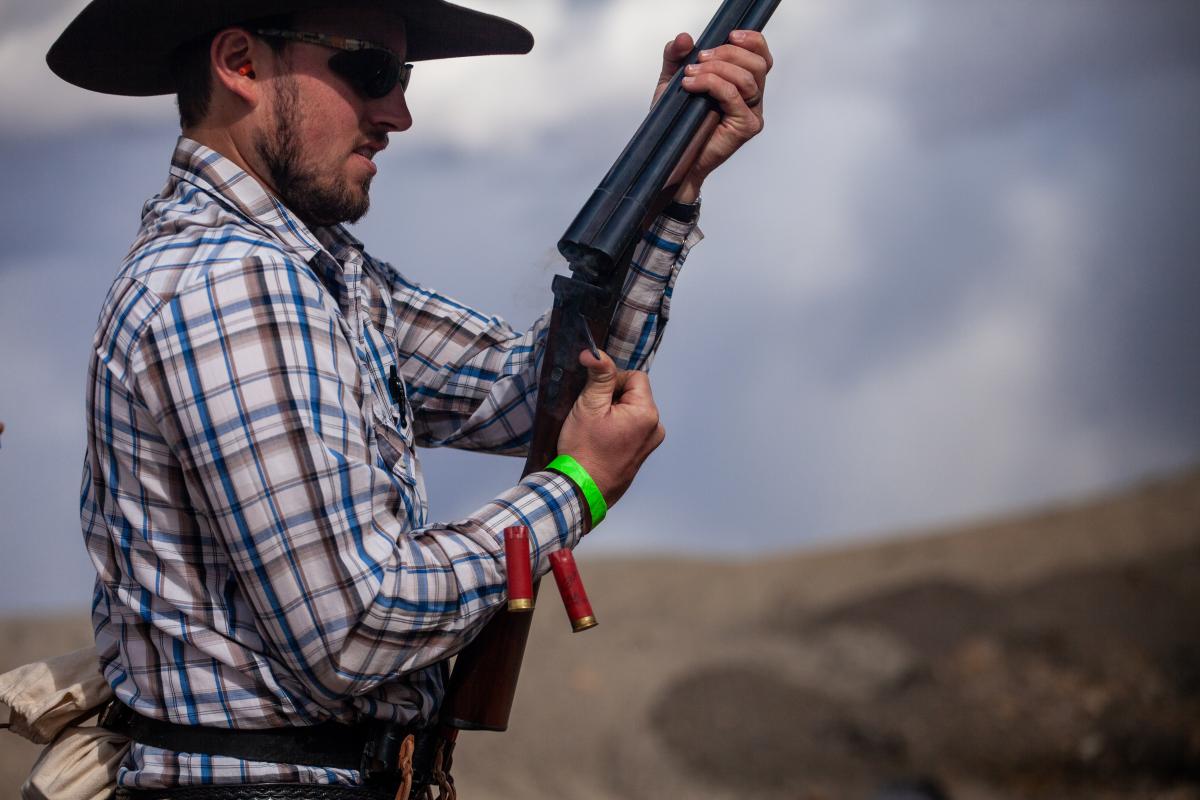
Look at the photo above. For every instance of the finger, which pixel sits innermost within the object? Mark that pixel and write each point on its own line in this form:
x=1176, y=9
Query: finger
x=622, y=381
x=597, y=394
x=635, y=389
x=750, y=61
x=740, y=77
x=673, y=55
x=756, y=43
x=652, y=442
x=736, y=112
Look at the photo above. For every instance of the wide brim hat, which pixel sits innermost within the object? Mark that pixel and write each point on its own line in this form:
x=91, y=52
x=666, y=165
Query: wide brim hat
x=125, y=46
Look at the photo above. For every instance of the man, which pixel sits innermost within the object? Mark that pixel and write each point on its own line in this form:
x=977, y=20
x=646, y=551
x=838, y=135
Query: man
x=271, y=595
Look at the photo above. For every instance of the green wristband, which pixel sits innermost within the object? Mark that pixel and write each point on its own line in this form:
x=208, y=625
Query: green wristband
x=579, y=476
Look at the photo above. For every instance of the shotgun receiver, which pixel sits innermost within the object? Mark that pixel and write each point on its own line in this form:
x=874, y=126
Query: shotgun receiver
x=598, y=246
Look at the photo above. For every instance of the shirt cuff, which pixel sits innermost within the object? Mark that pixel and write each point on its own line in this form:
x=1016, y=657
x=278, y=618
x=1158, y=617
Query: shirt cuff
x=674, y=230
x=553, y=509
x=683, y=212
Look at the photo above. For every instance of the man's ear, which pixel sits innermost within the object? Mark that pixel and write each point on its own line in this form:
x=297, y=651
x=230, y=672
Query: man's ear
x=233, y=57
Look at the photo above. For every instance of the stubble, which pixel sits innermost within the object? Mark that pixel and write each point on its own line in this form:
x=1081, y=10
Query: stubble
x=317, y=199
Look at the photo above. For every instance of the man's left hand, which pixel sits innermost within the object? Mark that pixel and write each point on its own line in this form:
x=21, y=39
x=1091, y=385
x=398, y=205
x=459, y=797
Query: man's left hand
x=735, y=75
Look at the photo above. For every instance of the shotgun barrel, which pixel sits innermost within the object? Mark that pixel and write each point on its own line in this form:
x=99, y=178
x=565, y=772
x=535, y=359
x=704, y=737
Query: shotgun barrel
x=618, y=208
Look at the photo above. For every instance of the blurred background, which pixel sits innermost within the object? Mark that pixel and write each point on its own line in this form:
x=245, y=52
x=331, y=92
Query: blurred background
x=957, y=274
x=956, y=277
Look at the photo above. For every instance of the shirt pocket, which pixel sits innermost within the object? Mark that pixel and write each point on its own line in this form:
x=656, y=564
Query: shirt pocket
x=395, y=443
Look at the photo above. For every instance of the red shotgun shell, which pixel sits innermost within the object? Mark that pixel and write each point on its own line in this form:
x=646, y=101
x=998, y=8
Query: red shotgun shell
x=570, y=586
x=516, y=560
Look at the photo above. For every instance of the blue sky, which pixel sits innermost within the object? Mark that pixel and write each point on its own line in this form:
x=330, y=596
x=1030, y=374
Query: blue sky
x=955, y=276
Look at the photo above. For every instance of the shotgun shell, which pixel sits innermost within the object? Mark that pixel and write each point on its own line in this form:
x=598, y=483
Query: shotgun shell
x=570, y=586
x=516, y=560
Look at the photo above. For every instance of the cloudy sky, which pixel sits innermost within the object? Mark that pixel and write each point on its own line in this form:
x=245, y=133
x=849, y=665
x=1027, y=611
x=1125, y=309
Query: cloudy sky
x=956, y=275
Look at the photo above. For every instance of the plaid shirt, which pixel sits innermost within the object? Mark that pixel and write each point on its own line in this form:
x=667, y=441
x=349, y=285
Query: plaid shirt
x=252, y=499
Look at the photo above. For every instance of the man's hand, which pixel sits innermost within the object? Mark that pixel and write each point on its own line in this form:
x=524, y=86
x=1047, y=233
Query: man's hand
x=735, y=75
x=613, y=425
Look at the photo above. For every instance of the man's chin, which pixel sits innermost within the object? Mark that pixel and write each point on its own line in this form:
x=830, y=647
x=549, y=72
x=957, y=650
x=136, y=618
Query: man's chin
x=361, y=206
x=358, y=202
x=327, y=209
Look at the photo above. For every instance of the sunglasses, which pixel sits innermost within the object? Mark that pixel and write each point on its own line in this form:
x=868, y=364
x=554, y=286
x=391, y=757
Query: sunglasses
x=370, y=68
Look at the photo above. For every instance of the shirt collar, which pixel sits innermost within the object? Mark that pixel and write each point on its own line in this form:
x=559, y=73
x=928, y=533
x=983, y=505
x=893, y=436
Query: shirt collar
x=340, y=243
x=202, y=166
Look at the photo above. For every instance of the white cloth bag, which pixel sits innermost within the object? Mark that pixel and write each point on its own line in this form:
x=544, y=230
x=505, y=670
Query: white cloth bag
x=48, y=701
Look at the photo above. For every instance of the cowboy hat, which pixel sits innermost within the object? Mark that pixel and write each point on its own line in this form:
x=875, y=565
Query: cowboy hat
x=125, y=46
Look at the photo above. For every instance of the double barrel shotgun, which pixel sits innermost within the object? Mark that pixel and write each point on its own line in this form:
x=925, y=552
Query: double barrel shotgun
x=598, y=246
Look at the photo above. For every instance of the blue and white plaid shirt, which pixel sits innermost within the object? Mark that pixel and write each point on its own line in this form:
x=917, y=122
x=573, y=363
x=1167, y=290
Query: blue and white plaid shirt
x=252, y=500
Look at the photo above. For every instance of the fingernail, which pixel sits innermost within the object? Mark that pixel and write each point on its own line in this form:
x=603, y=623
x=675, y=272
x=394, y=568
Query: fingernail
x=692, y=69
x=706, y=53
x=688, y=80
x=737, y=36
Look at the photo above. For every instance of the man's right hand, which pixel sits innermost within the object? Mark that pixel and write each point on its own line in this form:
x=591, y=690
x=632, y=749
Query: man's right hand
x=613, y=426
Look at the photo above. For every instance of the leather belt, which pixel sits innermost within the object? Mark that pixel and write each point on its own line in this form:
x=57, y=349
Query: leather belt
x=372, y=747
x=261, y=791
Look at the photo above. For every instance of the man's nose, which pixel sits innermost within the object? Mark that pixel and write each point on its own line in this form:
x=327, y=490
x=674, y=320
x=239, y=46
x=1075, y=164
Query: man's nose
x=390, y=112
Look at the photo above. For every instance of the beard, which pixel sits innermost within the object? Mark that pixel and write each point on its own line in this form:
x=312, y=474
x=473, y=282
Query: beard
x=315, y=198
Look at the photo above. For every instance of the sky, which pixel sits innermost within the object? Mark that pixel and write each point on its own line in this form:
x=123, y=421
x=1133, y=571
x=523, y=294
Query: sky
x=955, y=276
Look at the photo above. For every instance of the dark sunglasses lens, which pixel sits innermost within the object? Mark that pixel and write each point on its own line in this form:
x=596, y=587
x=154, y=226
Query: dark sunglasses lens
x=373, y=72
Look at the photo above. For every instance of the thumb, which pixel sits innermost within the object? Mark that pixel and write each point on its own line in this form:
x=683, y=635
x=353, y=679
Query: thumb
x=674, y=53
x=597, y=394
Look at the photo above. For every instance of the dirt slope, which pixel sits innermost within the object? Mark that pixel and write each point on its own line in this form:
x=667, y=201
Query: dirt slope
x=1050, y=655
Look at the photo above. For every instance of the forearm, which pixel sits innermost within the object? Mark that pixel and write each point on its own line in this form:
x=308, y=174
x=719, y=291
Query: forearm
x=406, y=597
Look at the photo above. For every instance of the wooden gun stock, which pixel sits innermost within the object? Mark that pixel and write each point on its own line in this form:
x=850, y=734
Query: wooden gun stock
x=599, y=245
